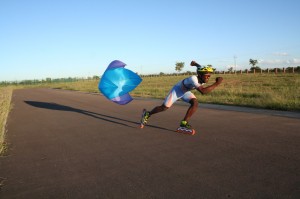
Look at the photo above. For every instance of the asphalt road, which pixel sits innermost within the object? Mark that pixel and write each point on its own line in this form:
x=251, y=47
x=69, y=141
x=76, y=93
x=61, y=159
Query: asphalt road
x=65, y=144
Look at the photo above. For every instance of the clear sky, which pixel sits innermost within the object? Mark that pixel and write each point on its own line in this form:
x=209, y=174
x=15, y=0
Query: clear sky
x=79, y=38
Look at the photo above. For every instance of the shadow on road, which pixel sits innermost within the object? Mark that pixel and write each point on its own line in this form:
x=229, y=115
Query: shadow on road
x=59, y=107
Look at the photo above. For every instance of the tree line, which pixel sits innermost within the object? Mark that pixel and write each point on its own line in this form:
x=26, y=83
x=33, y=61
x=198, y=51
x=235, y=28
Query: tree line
x=180, y=65
x=47, y=80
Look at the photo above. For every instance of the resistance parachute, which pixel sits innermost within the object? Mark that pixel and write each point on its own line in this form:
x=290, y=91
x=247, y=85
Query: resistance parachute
x=117, y=82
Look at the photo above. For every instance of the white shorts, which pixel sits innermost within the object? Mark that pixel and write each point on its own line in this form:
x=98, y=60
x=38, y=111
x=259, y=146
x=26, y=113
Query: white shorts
x=177, y=93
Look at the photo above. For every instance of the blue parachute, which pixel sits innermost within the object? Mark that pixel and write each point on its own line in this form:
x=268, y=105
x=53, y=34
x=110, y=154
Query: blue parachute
x=117, y=82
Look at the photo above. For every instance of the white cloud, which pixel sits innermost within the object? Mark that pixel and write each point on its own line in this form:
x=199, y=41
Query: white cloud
x=294, y=61
x=271, y=61
x=281, y=54
x=279, y=62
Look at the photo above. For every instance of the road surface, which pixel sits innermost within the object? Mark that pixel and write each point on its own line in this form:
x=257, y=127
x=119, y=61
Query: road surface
x=66, y=144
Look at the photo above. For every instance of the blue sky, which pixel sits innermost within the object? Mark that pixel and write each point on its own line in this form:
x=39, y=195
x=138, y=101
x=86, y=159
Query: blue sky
x=79, y=38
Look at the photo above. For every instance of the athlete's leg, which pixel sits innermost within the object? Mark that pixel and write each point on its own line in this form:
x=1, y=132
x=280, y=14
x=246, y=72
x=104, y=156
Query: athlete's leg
x=175, y=94
x=192, y=109
x=158, y=109
x=172, y=97
x=185, y=127
x=190, y=98
x=146, y=114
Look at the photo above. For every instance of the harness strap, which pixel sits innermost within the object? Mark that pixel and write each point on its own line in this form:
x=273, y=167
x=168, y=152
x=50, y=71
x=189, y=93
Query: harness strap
x=184, y=85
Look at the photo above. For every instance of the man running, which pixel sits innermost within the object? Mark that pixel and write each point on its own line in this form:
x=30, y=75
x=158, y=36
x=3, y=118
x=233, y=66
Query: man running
x=182, y=90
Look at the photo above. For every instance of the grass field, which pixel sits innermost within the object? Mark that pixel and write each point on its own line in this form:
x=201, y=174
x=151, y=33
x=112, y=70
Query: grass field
x=269, y=91
x=5, y=98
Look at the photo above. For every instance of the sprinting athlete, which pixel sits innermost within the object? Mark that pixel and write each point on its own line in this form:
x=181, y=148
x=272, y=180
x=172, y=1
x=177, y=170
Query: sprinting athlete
x=182, y=90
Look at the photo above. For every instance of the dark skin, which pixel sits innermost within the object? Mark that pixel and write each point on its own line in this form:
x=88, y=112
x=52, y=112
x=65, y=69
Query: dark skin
x=203, y=78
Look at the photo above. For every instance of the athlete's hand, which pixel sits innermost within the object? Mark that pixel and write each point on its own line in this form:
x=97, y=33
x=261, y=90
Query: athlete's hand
x=193, y=63
x=219, y=80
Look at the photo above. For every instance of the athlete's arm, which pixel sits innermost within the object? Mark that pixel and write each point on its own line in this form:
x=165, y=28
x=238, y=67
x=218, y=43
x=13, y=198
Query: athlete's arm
x=205, y=90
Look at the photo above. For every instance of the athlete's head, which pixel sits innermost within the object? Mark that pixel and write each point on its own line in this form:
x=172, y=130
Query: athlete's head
x=203, y=72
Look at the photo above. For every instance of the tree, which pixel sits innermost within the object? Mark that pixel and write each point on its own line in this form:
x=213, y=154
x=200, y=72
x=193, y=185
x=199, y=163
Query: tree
x=230, y=70
x=179, y=66
x=95, y=77
x=253, y=62
x=256, y=68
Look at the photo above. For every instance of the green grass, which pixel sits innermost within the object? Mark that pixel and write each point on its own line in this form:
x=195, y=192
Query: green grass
x=5, y=99
x=270, y=91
